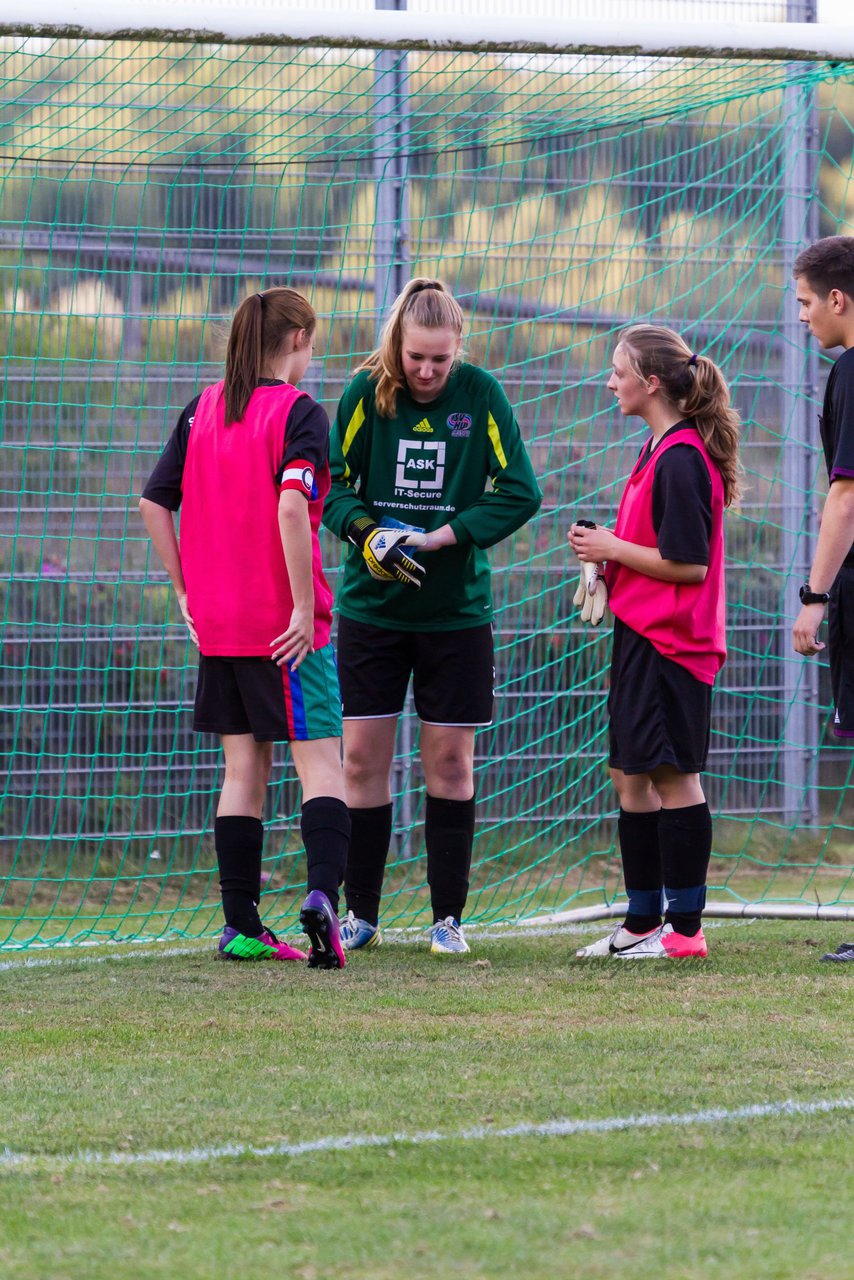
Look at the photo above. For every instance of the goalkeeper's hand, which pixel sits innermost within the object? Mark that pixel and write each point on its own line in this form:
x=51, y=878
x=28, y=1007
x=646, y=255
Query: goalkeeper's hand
x=591, y=595
x=382, y=550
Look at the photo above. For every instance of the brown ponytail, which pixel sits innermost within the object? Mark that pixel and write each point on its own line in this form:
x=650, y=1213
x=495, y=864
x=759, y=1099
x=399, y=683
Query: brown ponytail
x=260, y=325
x=424, y=302
x=697, y=388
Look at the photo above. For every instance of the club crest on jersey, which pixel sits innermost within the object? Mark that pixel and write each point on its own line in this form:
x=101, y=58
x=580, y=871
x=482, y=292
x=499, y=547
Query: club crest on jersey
x=420, y=465
x=460, y=424
x=424, y=427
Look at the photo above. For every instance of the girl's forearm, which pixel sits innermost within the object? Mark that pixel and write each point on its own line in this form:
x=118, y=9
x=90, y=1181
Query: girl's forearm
x=649, y=561
x=295, y=532
x=160, y=524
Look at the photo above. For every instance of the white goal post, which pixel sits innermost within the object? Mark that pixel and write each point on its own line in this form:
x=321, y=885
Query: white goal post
x=220, y=23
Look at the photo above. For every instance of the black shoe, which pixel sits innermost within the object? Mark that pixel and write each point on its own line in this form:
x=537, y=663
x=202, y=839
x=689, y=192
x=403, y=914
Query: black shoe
x=321, y=925
x=845, y=951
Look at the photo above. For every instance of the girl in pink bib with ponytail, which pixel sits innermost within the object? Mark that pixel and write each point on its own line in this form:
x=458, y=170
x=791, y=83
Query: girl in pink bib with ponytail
x=248, y=464
x=663, y=568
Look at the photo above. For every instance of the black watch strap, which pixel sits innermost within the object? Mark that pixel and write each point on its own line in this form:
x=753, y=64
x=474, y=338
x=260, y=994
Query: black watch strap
x=813, y=597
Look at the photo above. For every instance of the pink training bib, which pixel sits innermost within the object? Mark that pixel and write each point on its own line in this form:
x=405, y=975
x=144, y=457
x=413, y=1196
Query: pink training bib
x=686, y=622
x=231, y=550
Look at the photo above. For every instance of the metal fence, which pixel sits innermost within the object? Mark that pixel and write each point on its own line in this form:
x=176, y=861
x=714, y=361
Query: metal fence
x=95, y=681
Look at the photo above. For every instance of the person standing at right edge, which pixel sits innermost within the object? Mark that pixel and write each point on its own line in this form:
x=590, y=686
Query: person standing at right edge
x=665, y=580
x=824, y=275
x=426, y=457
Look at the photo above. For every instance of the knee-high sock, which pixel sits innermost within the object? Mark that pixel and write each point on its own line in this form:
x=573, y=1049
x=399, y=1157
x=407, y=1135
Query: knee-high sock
x=325, y=826
x=239, y=842
x=642, y=870
x=449, y=836
x=685, y=836
x=370, y=838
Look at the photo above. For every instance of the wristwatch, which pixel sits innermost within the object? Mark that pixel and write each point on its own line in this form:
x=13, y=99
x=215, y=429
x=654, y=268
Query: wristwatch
x=813, y=597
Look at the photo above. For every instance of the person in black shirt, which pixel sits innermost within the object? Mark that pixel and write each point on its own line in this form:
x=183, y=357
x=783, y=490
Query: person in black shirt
x=248, y=467
x=663, y=565
x=824, y=275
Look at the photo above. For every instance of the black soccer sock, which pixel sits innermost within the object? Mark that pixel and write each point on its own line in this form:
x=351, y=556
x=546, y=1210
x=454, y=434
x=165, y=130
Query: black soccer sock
x=449, y=836
x=370, y=838
x=239, y=842
x=642, y=874
x=685, y=837
x=325, y=827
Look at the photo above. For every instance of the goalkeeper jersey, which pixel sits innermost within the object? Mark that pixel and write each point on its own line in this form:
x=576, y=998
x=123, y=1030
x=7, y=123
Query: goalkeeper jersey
x=458, y=460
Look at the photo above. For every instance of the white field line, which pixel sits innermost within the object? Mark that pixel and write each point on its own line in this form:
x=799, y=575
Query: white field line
x=713, y=1116
x=86, y=957
x=82, y=954
x=415, y=935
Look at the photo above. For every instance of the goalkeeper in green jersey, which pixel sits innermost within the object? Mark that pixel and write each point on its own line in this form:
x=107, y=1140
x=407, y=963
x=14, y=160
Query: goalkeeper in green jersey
x=428, y=471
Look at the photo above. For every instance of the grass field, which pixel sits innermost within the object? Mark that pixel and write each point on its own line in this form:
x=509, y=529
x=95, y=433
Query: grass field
x=411, y=1080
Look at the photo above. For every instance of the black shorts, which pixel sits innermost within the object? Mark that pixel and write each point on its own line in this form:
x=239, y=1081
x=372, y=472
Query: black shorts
x=273, y=703
x=453, y=675
x=840, y=643
x=659, y=713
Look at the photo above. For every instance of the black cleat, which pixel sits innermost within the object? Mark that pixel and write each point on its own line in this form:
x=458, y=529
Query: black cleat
x=845, y=951
x=321, y=926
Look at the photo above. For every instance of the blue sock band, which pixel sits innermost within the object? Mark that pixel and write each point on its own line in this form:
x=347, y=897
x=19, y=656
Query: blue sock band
x=685, y=902
x=646, y=902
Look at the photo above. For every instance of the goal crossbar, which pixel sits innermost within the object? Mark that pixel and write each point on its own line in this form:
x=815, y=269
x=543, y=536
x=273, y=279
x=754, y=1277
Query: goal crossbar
x=716, y=910
x=216, y=23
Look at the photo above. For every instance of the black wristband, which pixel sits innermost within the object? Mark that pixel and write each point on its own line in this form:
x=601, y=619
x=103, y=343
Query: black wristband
x=808, y=596
x=360, y=530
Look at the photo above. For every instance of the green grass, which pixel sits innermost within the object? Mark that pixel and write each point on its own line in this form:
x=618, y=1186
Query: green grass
x=159, y=1052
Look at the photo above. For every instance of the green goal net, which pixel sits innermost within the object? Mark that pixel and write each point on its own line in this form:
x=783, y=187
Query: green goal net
x=146, y=186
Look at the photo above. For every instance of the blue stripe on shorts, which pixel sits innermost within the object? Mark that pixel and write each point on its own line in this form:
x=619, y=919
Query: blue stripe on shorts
x=300, y=724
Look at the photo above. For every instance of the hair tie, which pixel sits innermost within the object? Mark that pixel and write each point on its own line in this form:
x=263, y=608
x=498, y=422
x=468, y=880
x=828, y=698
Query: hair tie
x=693, y=358
x=421, y=287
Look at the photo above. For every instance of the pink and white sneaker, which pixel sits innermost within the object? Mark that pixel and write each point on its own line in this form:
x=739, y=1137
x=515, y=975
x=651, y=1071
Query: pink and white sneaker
x=617, y=941
x=667, y=944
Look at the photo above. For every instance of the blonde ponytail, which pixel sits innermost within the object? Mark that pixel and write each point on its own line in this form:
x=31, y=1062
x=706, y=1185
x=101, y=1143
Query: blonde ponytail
x=424, y=302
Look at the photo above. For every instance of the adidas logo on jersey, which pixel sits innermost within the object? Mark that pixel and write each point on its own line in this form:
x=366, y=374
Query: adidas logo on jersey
x=424, y=427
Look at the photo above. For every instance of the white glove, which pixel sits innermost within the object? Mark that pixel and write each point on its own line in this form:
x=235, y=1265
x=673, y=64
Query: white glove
x=591, y=595
x=383, y=552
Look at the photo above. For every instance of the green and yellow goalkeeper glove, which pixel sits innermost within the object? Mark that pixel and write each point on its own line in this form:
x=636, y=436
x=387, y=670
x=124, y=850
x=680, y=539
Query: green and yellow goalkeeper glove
x=383, y=552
